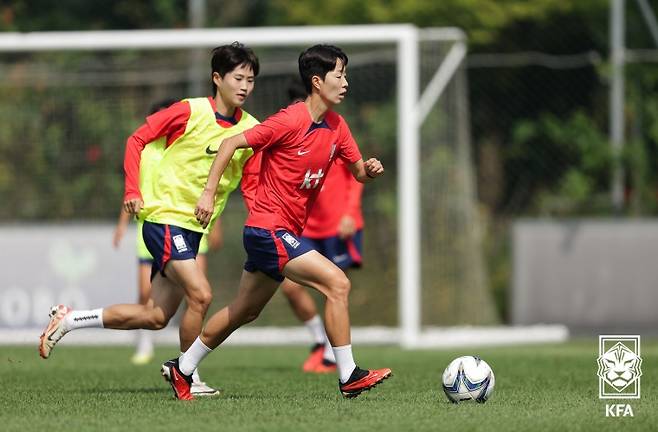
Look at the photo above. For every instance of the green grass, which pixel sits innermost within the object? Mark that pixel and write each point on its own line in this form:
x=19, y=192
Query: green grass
x=538, y=388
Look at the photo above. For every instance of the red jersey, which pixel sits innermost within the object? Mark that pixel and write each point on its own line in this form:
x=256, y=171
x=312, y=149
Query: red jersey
x=297, y=155
x=340, y=196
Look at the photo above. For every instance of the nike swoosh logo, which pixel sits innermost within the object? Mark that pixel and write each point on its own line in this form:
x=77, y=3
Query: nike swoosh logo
x=302, y=153
x=208, y=151
x=50, y=336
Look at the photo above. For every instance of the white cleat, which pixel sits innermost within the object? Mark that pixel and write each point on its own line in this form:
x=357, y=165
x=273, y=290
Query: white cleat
x=54, y=331
x=200, y=388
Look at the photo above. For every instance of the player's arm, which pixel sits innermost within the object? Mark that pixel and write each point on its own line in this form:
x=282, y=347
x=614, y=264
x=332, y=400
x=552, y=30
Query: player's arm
x=170, y=122
x=365, y=172
x=132, y=199
x=206, y=204
x=120, y=229
x=347, y=224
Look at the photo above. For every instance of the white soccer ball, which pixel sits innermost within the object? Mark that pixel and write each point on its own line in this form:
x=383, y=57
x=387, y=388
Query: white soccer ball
x=468, y=378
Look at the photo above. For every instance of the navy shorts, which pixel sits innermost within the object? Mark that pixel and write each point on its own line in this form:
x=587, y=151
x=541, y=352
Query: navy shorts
x=269, y=251
x=169, y=242
x=343, y=253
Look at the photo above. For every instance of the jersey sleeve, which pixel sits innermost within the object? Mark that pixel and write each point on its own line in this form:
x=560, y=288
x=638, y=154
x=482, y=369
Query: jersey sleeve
x=274, y=130
x=348, y=149
x=170, y=122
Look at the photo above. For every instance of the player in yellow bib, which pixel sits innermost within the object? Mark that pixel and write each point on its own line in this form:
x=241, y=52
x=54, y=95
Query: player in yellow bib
x=193, y=130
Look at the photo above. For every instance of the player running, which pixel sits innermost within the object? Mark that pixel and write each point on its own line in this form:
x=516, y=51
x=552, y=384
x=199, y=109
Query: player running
x=334, y=228
x=299, y=145
x=193, y=129
x=151, y=155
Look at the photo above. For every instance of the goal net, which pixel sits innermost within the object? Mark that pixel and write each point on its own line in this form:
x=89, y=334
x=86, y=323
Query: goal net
x=69, y=100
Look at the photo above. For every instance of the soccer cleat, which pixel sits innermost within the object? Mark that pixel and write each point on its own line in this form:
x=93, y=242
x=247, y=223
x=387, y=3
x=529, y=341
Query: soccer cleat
x=325, y=366
x=180, y=383
x=363, y=380
x=54, y=331
x=198, y=388
x=314, y=358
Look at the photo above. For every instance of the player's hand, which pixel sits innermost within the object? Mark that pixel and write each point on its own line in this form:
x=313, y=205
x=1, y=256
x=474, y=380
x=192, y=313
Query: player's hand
x=133, y=206
x=346, y=227
x=374, y=168
x=204, y=208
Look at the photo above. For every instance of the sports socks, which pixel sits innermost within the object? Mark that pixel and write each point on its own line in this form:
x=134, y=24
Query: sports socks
x=84, y=319
x=144, y=342
x=189, y=361
x=344, y=362
x=316, y=328
x=196, y=378
x=328, y=352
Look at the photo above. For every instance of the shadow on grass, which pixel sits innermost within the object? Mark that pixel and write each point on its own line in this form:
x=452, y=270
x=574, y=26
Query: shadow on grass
x=132, y=390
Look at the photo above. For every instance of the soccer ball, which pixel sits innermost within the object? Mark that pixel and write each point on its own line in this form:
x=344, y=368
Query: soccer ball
x=468, y=378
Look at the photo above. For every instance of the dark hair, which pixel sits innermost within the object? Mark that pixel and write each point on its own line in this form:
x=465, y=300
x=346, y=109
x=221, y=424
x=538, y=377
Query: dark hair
x=318, y=60
x=225, y=58
x=296, y=90
x=161, y=104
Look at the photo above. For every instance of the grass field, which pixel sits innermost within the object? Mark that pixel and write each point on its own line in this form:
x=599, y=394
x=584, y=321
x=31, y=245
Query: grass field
x=537, y=388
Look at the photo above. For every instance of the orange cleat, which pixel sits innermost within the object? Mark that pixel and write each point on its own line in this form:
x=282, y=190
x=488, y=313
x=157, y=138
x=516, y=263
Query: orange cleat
x=314, y=358
x=325, y=366
x=363, y=380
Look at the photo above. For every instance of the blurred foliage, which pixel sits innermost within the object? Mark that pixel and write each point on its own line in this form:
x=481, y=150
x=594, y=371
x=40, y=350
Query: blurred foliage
x=539, y=134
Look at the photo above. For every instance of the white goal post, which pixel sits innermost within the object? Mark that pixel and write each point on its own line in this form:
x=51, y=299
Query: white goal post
x=412, y=107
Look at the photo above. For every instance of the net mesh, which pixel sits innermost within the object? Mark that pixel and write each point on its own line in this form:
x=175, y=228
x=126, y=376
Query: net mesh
x=67, y=115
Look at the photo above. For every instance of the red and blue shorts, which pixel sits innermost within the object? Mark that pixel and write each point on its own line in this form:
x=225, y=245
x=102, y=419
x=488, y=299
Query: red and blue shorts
x=344, y=253
x=169, y=242
x=269, y=251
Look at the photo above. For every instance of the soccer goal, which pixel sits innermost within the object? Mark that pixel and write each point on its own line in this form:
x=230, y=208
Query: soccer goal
x=73, y=98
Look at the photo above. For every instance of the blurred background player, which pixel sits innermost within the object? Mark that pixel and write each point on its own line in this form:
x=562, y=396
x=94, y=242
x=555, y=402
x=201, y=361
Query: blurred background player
x=213, y=241
x=193, y=129
x=334, y=228
x=299, y=145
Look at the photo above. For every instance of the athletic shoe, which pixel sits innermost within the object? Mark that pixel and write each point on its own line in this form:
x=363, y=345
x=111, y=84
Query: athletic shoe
x=325, y=366
x=200, y=388
x=180, y=383
x=54, y=331
x=363, y=380
x=314, y=358
x=140, y=359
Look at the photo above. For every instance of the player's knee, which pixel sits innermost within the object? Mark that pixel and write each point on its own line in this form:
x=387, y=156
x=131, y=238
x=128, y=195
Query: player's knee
x=157, y=321
x=340, y=288
x=200, y=297
x=290, y=289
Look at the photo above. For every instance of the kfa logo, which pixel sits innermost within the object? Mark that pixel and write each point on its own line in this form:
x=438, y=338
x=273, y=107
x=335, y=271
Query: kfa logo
x=619, y=367
x=619, y=372
x=618, y=410
x=311, y=181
